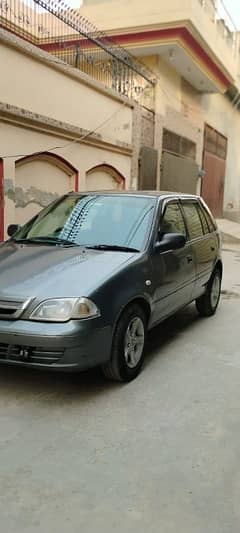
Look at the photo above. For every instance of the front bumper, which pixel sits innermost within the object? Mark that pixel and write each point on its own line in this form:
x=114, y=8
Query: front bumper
x=71, y=346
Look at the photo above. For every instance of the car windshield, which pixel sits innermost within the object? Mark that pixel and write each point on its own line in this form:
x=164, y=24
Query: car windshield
x=92, y=220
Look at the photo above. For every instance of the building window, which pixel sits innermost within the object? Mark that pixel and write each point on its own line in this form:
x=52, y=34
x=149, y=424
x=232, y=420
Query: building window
x=178, y=145
x=215, y=143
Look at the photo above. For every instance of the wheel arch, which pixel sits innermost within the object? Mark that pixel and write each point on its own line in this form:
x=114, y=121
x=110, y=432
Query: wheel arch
x=139, y=300
x=219, y=266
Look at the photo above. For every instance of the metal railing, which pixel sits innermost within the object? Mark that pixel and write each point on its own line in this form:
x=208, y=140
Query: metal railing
x=222, y=18
x=63, y=32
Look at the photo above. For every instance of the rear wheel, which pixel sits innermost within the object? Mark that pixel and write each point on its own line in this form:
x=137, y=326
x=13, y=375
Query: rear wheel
x=208, y=303
x=128, y=345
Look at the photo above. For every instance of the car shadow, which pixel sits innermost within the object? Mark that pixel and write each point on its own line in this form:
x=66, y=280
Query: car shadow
x=168, y=332
x=26, y=384
x=38, y=384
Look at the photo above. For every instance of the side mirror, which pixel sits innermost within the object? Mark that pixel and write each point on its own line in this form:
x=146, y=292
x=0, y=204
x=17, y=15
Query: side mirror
x=12, y=229
x=170, y=241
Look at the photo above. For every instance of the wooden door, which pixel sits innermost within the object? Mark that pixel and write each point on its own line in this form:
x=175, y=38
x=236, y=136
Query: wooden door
x=214, y=164
x=213, y=183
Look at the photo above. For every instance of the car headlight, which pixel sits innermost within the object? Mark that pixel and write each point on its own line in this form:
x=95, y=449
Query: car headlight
x=64, y=309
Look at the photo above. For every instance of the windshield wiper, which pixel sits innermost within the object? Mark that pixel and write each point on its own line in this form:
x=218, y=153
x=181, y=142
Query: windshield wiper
x=46, y=240
x=112, y=247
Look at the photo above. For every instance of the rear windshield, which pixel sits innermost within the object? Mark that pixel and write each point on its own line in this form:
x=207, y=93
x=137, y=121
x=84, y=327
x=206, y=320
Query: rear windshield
x=94, y=220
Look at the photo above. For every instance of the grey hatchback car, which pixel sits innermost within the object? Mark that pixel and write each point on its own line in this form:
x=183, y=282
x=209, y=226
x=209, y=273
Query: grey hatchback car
x=85, y=279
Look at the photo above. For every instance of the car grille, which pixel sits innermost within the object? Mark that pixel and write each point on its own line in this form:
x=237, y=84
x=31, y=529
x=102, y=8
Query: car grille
x=13, y=352
x=12, y=309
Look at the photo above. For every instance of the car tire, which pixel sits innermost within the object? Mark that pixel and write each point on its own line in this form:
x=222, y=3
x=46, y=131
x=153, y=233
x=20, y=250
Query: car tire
x=208, y=303
x=128, y=345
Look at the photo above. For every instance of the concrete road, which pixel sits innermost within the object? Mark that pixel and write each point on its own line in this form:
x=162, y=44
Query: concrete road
x=81, y=455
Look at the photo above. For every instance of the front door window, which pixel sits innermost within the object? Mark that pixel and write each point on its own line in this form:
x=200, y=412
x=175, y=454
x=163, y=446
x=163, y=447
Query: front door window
x=172, y=221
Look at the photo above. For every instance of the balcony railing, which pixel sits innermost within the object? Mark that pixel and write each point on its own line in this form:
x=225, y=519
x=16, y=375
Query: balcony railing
x=224, y=22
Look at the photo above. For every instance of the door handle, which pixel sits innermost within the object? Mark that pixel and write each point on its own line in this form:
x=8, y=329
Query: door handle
x=189, y=259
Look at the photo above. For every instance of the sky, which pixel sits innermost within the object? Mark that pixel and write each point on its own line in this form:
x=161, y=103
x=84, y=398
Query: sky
x=233, y=7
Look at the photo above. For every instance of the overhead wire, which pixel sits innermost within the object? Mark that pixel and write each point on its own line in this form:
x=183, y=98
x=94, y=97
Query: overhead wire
x=168, y=95
x=76, y=140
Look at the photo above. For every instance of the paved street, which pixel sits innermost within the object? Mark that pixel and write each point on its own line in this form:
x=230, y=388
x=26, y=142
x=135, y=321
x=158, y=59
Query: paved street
x=160, y=455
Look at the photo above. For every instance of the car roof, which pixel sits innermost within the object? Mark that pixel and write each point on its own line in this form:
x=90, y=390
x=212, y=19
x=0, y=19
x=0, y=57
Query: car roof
x=152, y=194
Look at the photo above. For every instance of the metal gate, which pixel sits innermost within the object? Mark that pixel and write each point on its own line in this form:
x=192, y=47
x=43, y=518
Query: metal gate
x=178, y=174
x=148, y=169
x=179, y=170
x=214, y=164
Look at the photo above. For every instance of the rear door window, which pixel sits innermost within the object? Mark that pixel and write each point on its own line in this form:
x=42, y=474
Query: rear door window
x=210, y=221
x=203, y=219
x=194, y=225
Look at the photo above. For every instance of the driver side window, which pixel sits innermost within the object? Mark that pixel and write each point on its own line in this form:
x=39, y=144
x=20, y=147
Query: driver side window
x=172, y=220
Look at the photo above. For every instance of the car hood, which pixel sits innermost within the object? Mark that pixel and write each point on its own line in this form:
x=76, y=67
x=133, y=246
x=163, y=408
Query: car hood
x=41, y=271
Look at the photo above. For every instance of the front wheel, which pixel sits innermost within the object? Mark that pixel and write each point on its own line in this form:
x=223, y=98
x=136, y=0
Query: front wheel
x=208, y=303
x=128, y=345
